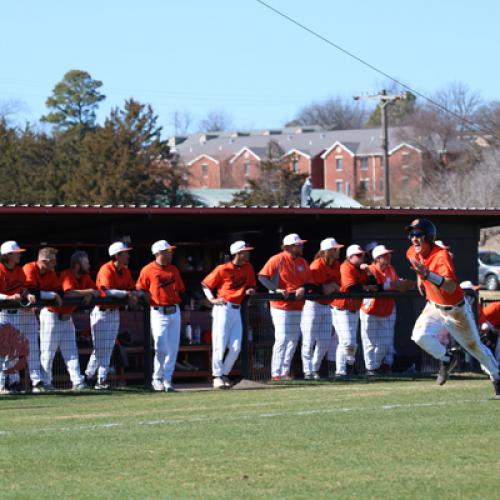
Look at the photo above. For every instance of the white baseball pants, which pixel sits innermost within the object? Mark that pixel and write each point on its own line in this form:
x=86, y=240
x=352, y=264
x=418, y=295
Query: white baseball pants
x=286, y=336
x=25, y=321
x=461, y=324
x=104, y=326
x=377, y=337
x=166, y=331
x=346, y=325
x=226, y=335
x=316, y=326
x=54, y=334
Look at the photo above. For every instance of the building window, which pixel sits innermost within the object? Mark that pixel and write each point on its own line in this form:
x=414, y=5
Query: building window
x=364, y=163
x=246, y=167
x=339, y=162
x=381, y=184
x=295, y=166
x=405, y=182
x=405, y=158
x=204, y=169
x=364, y=185
x=338, y=185
x=347, y=188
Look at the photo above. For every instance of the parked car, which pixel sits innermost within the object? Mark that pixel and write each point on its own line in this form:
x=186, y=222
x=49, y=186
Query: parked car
x=489, y=269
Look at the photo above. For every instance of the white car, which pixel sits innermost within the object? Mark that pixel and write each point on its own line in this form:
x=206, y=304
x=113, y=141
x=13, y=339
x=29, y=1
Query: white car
x=489, y=269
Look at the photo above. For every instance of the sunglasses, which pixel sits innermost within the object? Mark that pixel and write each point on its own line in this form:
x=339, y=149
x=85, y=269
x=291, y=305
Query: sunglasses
x=416, y=234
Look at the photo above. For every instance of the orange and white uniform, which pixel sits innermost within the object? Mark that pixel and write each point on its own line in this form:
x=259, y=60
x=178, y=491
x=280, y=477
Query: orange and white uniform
x=378, y=318
x=287, y=273
x=165, y=286
x=450, y=311
x=57, y=330
x=490, y=314
x=316, y=322
x=13, y=281
x=105, y=320
x=345, y=315
x=229, y=282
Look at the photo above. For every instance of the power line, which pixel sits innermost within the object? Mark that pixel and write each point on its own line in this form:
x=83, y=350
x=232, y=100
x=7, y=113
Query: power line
x=472, y=125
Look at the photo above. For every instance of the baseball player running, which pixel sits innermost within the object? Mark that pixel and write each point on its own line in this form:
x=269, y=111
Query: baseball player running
x=286, y=273
x=378, y=316
x=445, y=306
x=316, y=322
x=13, y=288
x=57, y=330
x=163, y=282
x=113, y=280
x=354, y=276
x=231, y=282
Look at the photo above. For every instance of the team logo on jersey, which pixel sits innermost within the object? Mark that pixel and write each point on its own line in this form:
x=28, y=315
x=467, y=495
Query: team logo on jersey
x=165, y=282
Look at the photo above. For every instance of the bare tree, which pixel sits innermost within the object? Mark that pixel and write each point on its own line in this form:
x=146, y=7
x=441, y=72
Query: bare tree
x=216, y=121
x=10, y=107
x=336, y=113
x=181, y=122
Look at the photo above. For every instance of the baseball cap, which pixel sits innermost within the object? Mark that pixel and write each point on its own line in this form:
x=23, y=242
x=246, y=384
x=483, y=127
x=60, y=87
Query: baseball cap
x=160, y=245
x=441, y=244
x=468, y=285
x=293, y=239
x=354, y=250
x=118, y=247
x=239, y=246
x=10, y=247
x=380, y=250
x=328, y=243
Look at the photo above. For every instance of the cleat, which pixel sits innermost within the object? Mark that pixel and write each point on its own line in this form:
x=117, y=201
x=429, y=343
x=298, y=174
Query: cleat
x=157, y=385
x=218, y=383
x=315, y=376
x=168, y=386
x=226, y=381
x=308, y=376
x=15, y=388
x=496, y=386
x=82, y=386
x=101, y=385
x=445, y=367
x=38, y=388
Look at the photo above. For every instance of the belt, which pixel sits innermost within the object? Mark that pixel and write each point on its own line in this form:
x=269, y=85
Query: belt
x=166, y=309
x=102, y=308
x=11, y=311
x=449, y=308
x=234, y=306
x=342, y=309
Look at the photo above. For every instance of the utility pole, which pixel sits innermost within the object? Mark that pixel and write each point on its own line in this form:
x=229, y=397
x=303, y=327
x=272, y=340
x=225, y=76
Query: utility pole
x=384, y=100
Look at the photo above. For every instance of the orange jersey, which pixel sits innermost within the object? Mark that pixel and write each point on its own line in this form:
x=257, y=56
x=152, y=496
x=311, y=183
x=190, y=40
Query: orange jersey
x=11, y=280
x=322, y=273
x=350, y=275
x=109, y=278
x=386, y=278
x=490, y=313
x=163, y=283
x=231, y=282
x=292, y=274
x=438, y=261
x=70, y=282
x=48, y=281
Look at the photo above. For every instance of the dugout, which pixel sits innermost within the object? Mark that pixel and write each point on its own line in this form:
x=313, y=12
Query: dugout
x=202, y=235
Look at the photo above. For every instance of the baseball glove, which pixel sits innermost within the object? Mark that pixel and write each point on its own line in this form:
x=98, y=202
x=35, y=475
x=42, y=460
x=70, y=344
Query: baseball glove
x=14, y=348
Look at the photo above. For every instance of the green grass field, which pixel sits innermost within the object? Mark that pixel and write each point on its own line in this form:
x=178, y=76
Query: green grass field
x=377, y=439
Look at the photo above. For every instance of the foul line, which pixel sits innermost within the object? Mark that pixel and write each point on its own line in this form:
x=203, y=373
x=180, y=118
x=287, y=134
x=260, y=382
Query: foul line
x=205, y=419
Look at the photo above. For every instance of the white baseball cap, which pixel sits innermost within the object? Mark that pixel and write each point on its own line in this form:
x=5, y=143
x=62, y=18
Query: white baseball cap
x=468, y=285
x=441, y=244
x=239, y=246
x=380, y=250
x=159, y=246
x=354, y=250
x=293, y=239
x=10, y=247
x=328, y=243
x=117, y=247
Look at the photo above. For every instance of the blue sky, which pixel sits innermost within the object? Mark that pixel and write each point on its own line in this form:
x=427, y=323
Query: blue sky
x=235, y=55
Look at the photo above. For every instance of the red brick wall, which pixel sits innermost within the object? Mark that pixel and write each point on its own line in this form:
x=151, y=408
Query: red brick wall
x=304, y=164
x=318, y=173
x=346, y=175
x=234, y=174
x=406, y=173
x=198, y=180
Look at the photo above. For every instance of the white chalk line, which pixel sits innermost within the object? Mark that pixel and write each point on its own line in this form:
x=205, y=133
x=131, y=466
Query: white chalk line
x=233, y=418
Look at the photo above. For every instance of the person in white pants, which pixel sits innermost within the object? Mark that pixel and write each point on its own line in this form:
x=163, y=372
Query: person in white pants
x=316, y=322
x=226, y=287
x=446, y=306
x=286, y=273
x=113, y=280
x=354, y=277
x=57, y=330
x=378, y=315
x=489, y=321
x=13, y=289
x=163, y=283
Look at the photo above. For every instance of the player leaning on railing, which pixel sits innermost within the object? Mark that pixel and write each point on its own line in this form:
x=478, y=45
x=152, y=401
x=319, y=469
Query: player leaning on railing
x=446, y=307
